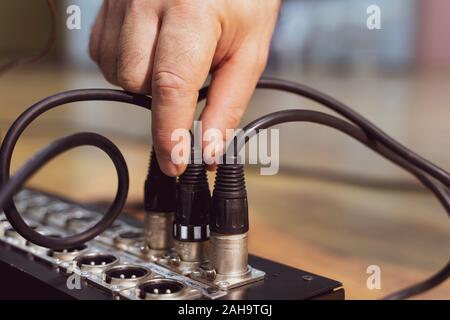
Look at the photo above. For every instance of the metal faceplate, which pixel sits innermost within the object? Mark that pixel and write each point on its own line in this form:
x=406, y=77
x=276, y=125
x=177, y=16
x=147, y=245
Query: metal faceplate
x=53, y=216
x=118, y=264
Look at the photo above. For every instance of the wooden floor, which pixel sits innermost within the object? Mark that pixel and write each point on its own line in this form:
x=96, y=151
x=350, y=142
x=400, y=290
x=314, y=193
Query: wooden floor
x=298, y=217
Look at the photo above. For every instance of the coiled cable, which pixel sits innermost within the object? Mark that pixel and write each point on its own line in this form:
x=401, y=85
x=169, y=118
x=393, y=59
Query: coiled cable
x=11, y=186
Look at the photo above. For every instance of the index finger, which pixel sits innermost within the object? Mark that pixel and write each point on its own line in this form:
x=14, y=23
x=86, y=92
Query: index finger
x=183, y=58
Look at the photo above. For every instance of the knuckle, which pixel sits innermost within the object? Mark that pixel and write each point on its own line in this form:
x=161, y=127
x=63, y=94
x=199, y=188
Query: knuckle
x=138, y=6
x=131, y=78
x=130, y=82
x=168, y=85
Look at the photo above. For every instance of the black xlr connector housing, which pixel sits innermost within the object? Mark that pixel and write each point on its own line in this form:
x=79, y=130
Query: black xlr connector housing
x=160, y=202
x=159, y=189
x=193, y=207
x=229, y=214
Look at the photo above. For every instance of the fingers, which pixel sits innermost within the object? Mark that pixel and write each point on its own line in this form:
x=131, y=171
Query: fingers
x=109, y=42
x=97, y=31
x=137, y=47
x=122, y=43
x=167, y=48
x=230, y=91
x=183, y=57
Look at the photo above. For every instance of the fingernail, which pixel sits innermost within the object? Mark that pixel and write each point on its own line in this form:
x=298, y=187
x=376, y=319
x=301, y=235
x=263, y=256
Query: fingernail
x=169, y=169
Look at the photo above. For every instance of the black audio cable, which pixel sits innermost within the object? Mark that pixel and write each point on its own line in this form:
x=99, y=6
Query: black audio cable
x=9, y=186
x=371, y=130
x=364, y=131
x=229, y=177
x=361, y=181
x=298, y=115
x=358, y=134
x=39, y=160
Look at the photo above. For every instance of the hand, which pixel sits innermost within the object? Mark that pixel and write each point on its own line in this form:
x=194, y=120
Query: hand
x=167, y=48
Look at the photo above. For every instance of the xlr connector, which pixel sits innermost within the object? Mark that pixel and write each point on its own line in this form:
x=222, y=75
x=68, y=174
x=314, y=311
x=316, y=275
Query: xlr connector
x=159, y=201
x=191, y=226
x=229, y=221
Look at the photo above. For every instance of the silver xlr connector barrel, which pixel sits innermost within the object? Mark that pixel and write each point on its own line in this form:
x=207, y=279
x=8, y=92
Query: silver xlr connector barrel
x=229, y=253
x=192, y=251
x=158, y=230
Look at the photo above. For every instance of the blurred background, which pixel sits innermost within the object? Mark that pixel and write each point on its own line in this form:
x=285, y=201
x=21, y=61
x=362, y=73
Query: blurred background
x=335, y=208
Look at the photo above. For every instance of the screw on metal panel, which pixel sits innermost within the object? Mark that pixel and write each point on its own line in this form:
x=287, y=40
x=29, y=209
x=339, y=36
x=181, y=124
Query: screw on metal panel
x=195, y=273
x=212, y=290
x=223, y=284
x=175, y=260
x=210, y=274
x=307, y=277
